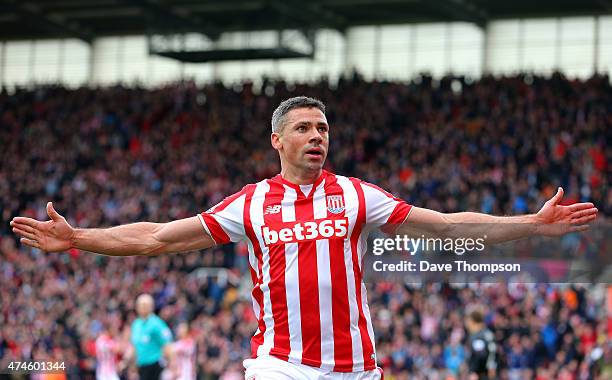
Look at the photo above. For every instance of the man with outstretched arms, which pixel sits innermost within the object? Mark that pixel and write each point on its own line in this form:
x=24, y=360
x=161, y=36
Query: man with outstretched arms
x=306, y=232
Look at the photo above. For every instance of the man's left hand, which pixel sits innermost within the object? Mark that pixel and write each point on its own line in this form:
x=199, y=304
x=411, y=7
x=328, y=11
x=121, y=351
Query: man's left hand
x=554, y=219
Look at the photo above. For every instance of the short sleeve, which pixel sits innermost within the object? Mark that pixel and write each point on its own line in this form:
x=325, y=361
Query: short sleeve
x=383, y=209
x=225, y=221
x=164, y=333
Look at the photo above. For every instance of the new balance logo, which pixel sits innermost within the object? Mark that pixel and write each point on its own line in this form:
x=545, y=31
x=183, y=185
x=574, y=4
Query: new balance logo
x=292, y=232
x=272, y=210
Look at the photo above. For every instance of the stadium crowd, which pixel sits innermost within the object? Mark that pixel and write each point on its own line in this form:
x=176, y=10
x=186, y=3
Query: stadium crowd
x=108, y=156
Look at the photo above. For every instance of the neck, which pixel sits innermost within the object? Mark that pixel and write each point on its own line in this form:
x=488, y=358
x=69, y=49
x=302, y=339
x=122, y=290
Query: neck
x=300, y=177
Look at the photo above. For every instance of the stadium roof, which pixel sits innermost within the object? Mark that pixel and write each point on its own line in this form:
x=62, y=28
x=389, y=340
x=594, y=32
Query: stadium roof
x=88, y=19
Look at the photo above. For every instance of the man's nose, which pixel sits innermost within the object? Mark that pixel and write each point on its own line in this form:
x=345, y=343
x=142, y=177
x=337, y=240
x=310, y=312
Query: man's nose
x=316, y=137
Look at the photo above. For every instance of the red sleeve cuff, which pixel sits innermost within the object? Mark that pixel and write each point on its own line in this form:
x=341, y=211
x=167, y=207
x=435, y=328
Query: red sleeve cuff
x=397, y=217
x=215, y=229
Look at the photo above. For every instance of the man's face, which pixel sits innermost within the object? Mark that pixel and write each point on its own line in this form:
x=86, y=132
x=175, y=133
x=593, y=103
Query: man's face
x=182, y=330
x=144, y=306
x=468, y=325
x=304, y=139
x=472, y=326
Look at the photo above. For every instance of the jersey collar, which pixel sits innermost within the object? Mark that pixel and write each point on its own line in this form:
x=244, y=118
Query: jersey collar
x=316, y=183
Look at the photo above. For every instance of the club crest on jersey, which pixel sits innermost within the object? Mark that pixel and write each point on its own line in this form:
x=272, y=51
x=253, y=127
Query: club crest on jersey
x=335, y=204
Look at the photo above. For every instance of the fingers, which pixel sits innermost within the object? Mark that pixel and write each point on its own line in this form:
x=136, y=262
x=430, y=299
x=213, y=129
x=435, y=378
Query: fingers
x=52, y=213
x=24, y=233
x=580, y=206
x=23, y=227
x=26, y=221
x=24, y=230
x=31, y=243
x=557, y=197
x=584, y=219
x=586, y=212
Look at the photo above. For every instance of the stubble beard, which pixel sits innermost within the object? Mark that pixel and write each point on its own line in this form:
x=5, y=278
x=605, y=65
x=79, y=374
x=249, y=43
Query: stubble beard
x=314, y=166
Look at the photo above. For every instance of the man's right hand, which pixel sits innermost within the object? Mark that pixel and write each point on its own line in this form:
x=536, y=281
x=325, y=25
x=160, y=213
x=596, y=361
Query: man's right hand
x=54, y=235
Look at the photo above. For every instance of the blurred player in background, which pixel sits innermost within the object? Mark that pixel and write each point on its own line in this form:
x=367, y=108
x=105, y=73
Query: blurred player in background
x=182, y=356
x=306, y=230
x=482, y=362
x=108, y=347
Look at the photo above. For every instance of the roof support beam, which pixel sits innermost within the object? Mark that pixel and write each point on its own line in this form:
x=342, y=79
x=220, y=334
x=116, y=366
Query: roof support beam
x=462, y=9
x=57, y=24
x=313, y=15
x=606, y=5
x=98, y=13
x=177, y=19
x=224, y=6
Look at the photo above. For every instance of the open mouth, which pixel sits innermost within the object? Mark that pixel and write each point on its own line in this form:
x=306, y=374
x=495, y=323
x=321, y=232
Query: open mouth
x=314, y=152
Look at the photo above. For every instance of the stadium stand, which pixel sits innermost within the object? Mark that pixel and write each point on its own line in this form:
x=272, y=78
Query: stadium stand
x=115, y=155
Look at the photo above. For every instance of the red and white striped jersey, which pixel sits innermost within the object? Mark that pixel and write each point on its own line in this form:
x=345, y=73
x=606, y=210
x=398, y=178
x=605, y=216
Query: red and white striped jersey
x=106, y=365
x=306, y=243
x=184, y=358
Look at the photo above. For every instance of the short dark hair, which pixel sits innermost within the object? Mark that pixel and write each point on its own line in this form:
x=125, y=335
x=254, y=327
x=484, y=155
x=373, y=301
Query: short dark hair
x=477, y=316
x=278, y=116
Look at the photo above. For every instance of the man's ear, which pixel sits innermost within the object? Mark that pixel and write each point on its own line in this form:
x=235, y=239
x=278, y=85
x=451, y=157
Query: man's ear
x=276, y=140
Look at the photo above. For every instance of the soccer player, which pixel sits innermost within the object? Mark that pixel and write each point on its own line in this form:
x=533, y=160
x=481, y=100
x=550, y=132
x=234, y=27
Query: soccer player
x=182, y=355
x=483, y=350
x=306, y=231
x=107, y=349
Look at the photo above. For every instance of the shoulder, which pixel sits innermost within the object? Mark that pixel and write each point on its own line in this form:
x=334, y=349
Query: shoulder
x=375, y=189
x=333, y=179
x=361, y=183
x=262, y=188
x=370, y=190
x=362, y=189
x=159, y=321
x=231, y=199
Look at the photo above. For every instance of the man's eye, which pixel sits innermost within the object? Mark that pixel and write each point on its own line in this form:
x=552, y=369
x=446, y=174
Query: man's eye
x=322, y=129
x=301, y=128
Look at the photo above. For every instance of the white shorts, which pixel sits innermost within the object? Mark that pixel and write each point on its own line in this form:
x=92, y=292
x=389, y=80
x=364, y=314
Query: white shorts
x=271, y=368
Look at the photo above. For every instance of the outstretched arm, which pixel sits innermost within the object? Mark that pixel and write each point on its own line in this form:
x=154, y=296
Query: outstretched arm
x=552, y=220
x=126, y=240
